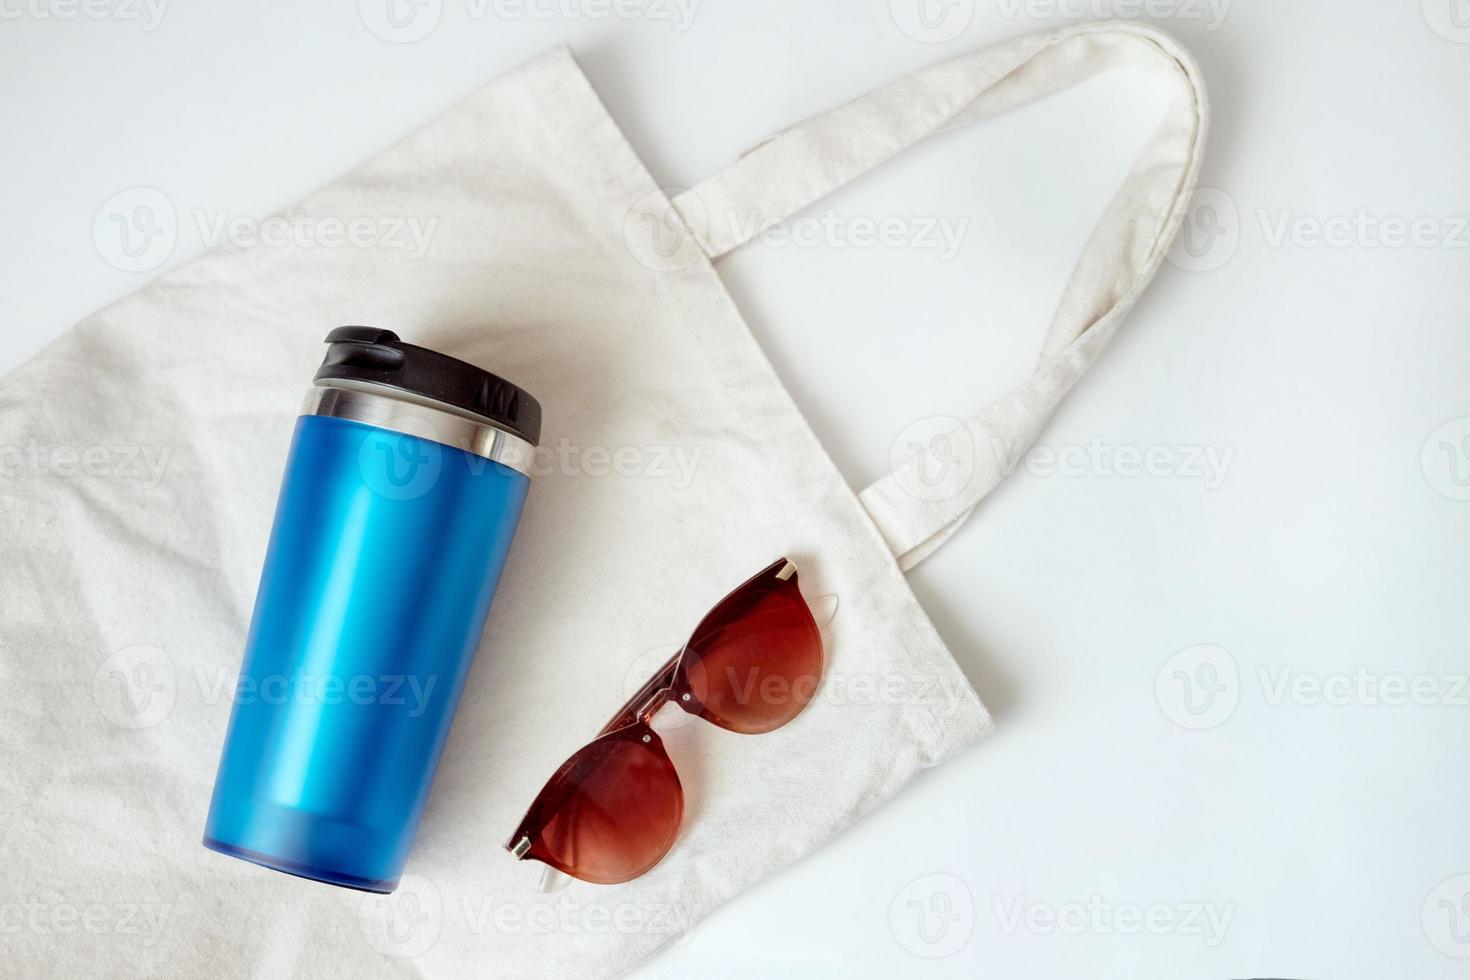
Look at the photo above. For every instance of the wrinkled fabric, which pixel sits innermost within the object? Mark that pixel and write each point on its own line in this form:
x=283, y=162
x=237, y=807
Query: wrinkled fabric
x=144, y=451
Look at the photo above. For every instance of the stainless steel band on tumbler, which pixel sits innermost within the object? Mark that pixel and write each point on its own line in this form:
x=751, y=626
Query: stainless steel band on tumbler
x=405, y=412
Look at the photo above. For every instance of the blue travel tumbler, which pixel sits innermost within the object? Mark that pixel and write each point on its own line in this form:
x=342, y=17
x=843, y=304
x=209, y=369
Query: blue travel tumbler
x=404, y=483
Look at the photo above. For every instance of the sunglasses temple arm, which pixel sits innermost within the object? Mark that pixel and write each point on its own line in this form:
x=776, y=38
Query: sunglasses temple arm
x=630, y=711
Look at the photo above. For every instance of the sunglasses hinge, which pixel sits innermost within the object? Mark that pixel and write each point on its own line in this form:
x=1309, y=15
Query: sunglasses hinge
x=521, y=847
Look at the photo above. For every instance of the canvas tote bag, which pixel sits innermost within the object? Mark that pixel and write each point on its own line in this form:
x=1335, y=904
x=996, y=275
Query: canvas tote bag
x=144, y=450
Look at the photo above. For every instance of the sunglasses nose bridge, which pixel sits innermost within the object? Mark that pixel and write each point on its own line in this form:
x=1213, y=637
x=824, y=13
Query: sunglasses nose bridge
x=656, y=700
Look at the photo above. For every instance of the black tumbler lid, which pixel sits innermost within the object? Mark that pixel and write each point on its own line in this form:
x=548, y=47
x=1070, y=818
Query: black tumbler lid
x=376, y=356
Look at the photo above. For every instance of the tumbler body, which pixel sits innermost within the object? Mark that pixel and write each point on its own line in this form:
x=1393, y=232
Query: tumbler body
x=385, y=554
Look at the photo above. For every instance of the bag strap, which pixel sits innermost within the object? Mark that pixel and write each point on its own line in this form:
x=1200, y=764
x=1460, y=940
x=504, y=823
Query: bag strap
x=785, y=173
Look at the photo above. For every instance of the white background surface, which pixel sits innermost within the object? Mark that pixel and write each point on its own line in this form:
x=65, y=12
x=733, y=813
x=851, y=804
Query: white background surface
x=1321, y=821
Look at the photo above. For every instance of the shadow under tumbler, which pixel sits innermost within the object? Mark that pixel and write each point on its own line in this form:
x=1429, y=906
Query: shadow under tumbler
x=405, y=480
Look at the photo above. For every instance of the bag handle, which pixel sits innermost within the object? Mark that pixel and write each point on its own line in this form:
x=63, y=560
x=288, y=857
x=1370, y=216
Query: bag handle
x=777, y=178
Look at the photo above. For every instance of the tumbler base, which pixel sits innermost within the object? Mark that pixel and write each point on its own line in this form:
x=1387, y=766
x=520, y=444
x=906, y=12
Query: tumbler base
x=302, y=870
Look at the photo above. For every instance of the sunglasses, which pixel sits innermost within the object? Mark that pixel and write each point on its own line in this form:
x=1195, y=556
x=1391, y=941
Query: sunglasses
x=612, y=810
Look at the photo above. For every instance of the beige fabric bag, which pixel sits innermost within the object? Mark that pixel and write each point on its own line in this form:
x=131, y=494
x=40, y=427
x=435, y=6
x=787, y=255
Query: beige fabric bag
x=677, y=465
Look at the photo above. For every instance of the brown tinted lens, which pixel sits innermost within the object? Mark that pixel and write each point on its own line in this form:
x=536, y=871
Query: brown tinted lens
x=755, y=660
x=611, y=812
